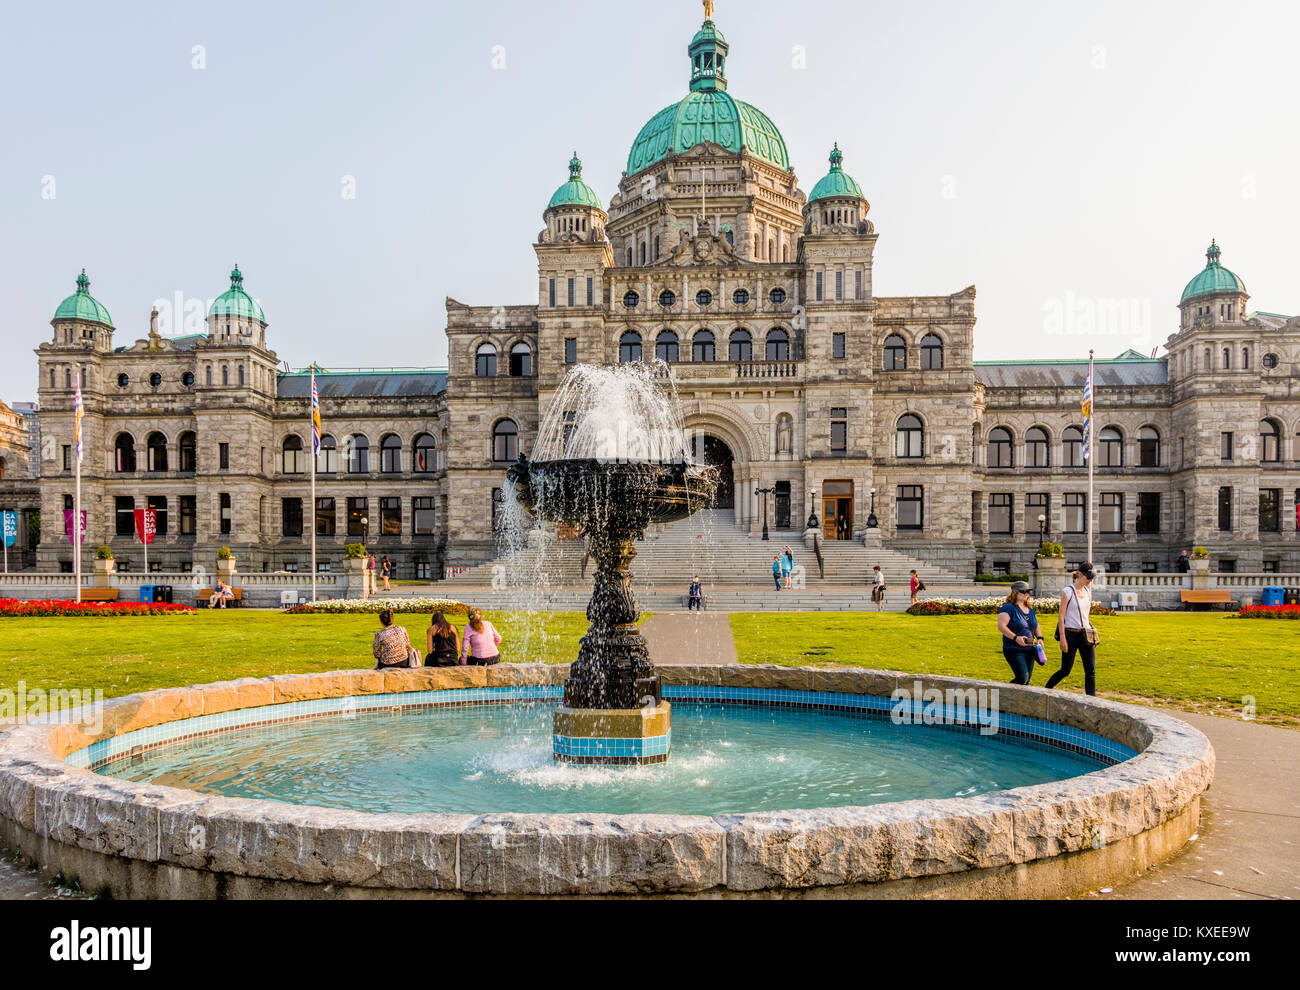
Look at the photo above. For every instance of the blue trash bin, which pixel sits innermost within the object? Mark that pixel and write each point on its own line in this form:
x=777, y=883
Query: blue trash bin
x=1273, y=595
x=146, y=593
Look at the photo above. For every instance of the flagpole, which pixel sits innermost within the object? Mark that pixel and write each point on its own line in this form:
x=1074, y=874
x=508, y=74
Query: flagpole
x=1092, y=460
x=76, y=496
x=144, y=536
x=315, y=452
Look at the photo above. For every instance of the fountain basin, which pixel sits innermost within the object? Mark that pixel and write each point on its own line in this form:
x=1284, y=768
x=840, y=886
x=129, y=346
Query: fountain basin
x=1050, y=839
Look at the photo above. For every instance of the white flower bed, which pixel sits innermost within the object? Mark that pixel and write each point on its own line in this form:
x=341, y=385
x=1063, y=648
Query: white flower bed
x=373, y=605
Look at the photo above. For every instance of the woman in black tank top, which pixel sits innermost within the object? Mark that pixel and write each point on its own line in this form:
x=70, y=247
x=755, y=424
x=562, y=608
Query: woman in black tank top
x=443, y=643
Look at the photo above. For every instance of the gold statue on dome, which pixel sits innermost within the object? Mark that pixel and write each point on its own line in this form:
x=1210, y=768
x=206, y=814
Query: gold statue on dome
x=708, y=10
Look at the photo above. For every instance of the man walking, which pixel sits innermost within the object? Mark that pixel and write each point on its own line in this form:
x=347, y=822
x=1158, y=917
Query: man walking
x=695, y=597
x=878, y=591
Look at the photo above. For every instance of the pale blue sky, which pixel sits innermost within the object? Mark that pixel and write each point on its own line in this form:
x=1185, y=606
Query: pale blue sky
x=1070, y=160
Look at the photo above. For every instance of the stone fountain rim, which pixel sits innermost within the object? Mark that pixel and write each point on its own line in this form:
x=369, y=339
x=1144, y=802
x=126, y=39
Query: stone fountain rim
x=62, y=809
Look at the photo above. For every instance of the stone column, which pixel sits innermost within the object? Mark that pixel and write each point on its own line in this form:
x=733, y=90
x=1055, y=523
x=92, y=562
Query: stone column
x=357, y=584
x=1201, y=580
x=1049, y=578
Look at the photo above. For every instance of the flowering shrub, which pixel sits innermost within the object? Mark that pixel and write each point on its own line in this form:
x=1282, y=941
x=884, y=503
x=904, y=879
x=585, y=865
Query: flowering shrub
x=989, y=606
x=361, y=606
x=12, y=607
x=1269, y=612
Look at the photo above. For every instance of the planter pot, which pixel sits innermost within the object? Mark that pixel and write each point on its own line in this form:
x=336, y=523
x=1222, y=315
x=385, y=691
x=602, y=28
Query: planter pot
x=102, y=571
x=1049, y=578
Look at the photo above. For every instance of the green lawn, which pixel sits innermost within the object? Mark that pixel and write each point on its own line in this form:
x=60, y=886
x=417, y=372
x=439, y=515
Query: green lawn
x=126, y=655
x=1199, y=662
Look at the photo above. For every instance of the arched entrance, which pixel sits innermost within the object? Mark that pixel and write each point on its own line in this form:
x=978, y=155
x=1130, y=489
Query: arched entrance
x=717, y=454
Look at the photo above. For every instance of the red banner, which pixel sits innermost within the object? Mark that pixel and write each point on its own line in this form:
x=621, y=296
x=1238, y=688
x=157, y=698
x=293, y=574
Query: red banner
x=146, y=525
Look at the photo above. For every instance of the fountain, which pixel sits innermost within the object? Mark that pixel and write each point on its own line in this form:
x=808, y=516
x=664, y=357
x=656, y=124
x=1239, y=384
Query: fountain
x=610, y=459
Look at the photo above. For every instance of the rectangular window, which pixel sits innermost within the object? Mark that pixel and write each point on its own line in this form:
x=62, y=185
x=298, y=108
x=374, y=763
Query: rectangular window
x=1112, y=512
x=291, y=566
x=358, y=516
x=552, y=292
x=1037, y=504
x=1150, y=567
x=1272, y=567
x=497, y=509
x=837, y=345
x=1000, y=513
x=224, y=512
x=124, y=515
x=390, y=516
x=422, y=518
x=839, y=286
x=223, y=456
x=820, y=281
x=570, y=350
x=1225, y=510
x=1076, y=512
x=857, y=287
x=1225, y=446
x=325, y=519
x=67, y=457
x=291, y=516
x=839, y=432
x=909, y=508
x=423, y=570
x=591, y=291
x=571, y=302
x=1148, y=517
x=159, y=505
x=1270, y=510
x=189, y=515
x=1228, y=566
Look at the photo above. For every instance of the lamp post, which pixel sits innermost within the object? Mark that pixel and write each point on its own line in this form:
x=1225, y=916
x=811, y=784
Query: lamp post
x=1042, y=536
x=872, y=521
x=764, y=492
x=813, y=522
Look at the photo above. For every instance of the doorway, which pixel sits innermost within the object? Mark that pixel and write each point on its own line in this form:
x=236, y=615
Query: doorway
x=782, y=505
x=718, y=455
x=837, y=510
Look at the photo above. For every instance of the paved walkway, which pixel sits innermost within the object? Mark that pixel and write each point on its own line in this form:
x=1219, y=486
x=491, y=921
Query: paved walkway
x=690, y=637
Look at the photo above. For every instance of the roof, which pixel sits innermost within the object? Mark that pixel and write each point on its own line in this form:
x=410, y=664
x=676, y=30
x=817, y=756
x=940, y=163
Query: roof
x=1125, y=371
x=1213, y=278
x=362, y=384
x=236, y=302
x=836, y=182
x=575, y=192
x=81, y=305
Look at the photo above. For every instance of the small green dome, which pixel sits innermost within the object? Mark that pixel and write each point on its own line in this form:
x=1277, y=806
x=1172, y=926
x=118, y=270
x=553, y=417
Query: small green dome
x=1213, y=278
x=575, y=192
x=836, y=182
x=235, y=301
x=81, y=305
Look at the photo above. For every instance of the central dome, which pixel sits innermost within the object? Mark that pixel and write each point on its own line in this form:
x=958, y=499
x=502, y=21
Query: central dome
x=708, y=113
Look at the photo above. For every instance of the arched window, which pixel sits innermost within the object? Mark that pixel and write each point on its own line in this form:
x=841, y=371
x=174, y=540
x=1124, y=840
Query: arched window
x=521, y=360
x=1148, y=447
x=225, y=374
x=1245, y=358
x=241, y=374
x=207, y=374
x=703, y=347
x=895, y=353
x=390, y=454
x=1072, y=446
x=785, y=251
x=784, y=433
x=629, y=348
x=425, y=454
x=909, y=437
x=293, y=457
x=1000, y=452
x=666, y=346
x=778, y=345
x=1110, y=448
x=124, y=453
x=327, y=459
x=1227, y=358
x=1270, y=440
x=155, y=452
x=741, y=346
x=931, y=353
x=1037, y=448
x=485, y=361
x=505, y=441
x=358, y=455
x=771, y=250
x=189, y=449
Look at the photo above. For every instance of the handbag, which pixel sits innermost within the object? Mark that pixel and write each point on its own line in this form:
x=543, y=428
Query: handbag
x=413, y=659
x=1092, y=636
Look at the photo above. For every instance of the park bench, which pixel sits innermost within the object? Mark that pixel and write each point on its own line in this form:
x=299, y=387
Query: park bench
x=1218, y=596
x=99, y=594
x=204, y=597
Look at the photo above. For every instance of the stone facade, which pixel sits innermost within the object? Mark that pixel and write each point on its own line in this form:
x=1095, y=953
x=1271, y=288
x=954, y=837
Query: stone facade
x=794, y=376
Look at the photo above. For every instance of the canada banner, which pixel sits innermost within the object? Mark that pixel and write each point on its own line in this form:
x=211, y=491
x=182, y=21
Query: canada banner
x=67, y=524
x=146, y=525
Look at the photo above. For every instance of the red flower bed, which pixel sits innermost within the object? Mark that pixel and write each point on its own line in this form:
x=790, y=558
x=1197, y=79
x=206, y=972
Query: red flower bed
x=12, y=607
x=1270, y=612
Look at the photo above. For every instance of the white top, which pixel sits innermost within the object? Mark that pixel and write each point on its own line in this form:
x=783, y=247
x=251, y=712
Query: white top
x=1078, y=607
x=880, y=577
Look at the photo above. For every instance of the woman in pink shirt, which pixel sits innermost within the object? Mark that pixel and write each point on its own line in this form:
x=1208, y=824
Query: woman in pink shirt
x=479, y=645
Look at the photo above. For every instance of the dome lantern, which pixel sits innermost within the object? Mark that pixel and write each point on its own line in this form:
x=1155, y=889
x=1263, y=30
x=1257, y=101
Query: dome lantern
x=708, y=51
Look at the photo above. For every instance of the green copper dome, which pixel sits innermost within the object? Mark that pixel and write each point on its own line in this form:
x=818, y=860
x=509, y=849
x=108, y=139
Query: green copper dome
x=235, y=301
x=836, y=182
x=1213, y=278
x=575, y=192
x=708, y=113
x=81, y=305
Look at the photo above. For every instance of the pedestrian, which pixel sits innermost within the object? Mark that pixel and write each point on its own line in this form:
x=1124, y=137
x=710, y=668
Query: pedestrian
x=392, y=646
x=370, y=574
x=916, y=585
x=1018, y=623
x=695, y=597
x=776, y=571
x=841, y=528
x=480, y=646
x=1075, y=630
x=386, y=571
x=787, y=566
x=1183, y=564
x=878, y=588
x=443, y=643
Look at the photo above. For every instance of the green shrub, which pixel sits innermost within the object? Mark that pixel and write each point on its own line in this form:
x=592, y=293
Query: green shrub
x=1049, y=549
x=104, y=553
x=355, y=550
x=1200, y=553
x=1000, y=578
x=225, y=554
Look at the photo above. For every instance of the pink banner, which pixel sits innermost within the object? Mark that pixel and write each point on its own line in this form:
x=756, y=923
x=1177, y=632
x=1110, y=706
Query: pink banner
x=67, y=525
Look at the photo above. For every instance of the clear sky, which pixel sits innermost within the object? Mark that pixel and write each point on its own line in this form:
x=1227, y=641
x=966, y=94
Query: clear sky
x=1072, y=161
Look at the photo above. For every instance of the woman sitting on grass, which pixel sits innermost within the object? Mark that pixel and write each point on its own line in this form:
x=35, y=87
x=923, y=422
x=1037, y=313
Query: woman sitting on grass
x=392, y=646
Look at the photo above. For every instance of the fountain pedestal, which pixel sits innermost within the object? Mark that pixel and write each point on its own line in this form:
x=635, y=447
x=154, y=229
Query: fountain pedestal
x=613, y=735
